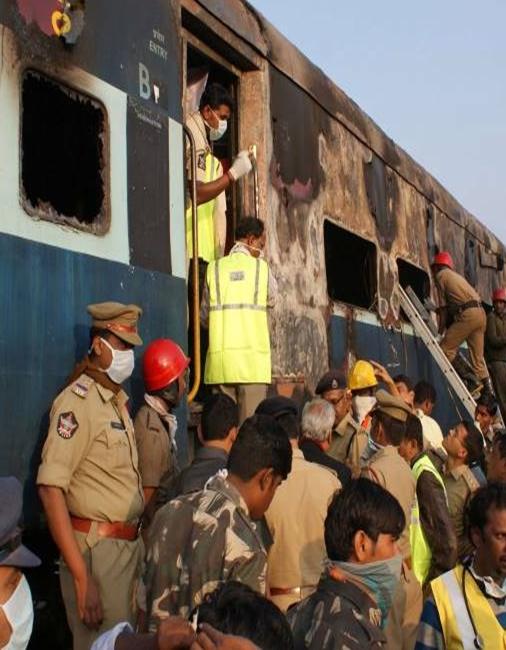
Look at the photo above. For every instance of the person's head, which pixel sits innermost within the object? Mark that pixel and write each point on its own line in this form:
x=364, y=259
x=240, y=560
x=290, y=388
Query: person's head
x=496, y=465
x=464, y=444
x=260, y=459
x=251, y=232
x=363, y=523
x=113, y=335
x=284, y=410
x=389, y=418
x=425, y=397
x=442, y=260
x=499, y=301
x=318, y=417
x=219, y=423
x=332, y=388
x=412, y=443
x=234, y=608
x=485, y=518
x=164, y=367
x=216, y=105
x=486, y=410
x=406, y=389
x=362, y=380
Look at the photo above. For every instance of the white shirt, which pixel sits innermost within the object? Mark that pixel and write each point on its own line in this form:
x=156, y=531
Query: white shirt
x=432, y=434
x=107, y=640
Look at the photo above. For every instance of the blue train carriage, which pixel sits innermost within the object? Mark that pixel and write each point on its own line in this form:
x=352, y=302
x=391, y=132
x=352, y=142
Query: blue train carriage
x=91, y=207
x=350, y=216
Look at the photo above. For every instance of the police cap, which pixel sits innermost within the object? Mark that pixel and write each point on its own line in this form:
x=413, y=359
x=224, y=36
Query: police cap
x=119, y=319
x=391, y=405
x=331, y=380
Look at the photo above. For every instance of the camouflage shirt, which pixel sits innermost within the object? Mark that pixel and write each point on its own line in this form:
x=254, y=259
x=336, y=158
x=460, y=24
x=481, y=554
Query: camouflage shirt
x=197, y=541
x=338, y=616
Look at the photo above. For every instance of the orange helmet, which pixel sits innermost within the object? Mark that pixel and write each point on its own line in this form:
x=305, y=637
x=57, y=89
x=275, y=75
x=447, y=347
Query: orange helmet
x=163, y=363
x=499, y=294
x=443, y=259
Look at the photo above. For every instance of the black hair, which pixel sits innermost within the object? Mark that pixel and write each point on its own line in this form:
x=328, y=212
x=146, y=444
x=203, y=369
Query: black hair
x=394, y=429
x=249, y=226
x=488, y=401
x=100, y=332
x=234, y=608
x=477, y=509
x=290, y=425
x=261, y=443
x=425, y=391
x=361, y=505
x=414, y=430
x=219, y=415
x=473, y=444
x=404, y=379
x=215, y=95
x=500, y=442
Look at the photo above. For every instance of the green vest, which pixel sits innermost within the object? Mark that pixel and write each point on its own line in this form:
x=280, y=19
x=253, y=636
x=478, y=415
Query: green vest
x=239, y=348
x=205, y=219
x=421, y=555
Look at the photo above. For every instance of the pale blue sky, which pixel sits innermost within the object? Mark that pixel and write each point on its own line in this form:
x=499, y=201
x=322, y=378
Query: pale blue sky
x=432, y=74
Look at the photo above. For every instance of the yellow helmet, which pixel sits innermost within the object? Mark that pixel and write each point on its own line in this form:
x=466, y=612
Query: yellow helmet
x=362, y=376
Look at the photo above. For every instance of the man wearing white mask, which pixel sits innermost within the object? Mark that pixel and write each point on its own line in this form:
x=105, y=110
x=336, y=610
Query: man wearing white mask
x=89, y=480
x=16, y=607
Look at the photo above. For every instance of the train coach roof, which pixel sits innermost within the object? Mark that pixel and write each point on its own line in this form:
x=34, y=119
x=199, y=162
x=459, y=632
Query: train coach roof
x=250, y=25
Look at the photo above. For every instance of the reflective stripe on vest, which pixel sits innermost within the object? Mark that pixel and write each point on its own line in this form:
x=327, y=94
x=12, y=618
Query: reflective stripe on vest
x=455, y=621
x=239, y=347
x=205, y=219
x=421, y=555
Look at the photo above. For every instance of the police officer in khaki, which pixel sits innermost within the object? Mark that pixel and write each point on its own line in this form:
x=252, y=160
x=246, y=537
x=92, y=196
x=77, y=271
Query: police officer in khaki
x=89, y=481
x=464, y=319
x=392, y=472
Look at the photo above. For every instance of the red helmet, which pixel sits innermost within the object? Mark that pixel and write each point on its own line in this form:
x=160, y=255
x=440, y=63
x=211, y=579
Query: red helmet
x=499, y=294
x=443, y=259
x=163, y=362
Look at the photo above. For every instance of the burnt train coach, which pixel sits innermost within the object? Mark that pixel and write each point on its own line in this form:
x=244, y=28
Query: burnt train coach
x=93, y=98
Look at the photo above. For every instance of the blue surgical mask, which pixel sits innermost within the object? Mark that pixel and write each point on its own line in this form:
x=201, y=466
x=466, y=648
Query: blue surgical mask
x=381, y=578
x=370, y=449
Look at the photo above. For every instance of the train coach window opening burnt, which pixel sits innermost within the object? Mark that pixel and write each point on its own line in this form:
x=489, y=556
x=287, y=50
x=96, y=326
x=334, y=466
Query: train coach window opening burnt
x=350, y=263
x=412, y=276
x=64, y=155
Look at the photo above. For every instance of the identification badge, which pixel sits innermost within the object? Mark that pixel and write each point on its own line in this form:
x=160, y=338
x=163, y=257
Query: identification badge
x=236, y=276
x=117, y=425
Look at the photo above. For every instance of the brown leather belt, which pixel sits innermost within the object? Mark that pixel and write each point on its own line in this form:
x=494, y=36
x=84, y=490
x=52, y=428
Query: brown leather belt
x=469, y=305
x=289, y=591
x=114, y=530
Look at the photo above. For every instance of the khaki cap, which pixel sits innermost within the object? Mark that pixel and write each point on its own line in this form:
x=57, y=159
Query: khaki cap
x=120, y=319
x=393, y=406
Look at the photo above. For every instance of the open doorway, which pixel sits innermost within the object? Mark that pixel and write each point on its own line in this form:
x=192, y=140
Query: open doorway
x=203, y=67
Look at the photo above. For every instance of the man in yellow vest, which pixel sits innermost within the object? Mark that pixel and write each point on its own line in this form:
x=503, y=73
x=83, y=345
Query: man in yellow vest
x=467, y=606
x=431, y=534
x=239, y=289
x=208, y=125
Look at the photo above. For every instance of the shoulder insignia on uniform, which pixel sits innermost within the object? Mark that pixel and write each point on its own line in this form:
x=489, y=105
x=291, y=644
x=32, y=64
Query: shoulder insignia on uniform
x=67, y=425
x=82, y=386
x=201, y=160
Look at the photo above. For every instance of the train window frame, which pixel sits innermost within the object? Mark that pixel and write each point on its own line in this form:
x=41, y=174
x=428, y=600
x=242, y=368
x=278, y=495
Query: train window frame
x=413, y=268
x=368, y=299
x=98, y=224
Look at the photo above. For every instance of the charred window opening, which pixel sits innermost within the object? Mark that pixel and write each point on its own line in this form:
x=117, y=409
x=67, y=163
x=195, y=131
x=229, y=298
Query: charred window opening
x=412, y=276
x=350, y=262
x=63, y=151
x=470, y=262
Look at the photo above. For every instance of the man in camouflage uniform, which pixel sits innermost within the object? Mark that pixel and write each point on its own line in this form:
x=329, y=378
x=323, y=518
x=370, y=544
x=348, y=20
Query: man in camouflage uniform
x=201, y=539
x=351, y=603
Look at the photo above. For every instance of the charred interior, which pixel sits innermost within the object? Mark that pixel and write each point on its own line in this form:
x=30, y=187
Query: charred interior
x=350, y=263
x=62, y=146
x=411, y=276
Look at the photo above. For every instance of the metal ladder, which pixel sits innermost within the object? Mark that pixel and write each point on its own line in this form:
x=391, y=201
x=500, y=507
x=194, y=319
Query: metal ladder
x=425, y=329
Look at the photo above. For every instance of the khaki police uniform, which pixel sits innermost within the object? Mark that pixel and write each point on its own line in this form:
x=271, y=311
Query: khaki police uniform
x=157, y=453
x=495, y=345
x=349, y=440
x=460, y=483
x=469, y=322
x=392, y=472
x=90, y=454
x=296, y=519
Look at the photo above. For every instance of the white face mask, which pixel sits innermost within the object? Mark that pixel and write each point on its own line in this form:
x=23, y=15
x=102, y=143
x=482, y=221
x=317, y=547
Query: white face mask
x=215, y=133
x=122, y=364
x=19, y=612
x=361, y=405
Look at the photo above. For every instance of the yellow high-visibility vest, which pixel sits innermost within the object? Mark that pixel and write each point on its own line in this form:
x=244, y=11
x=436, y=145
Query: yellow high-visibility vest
x=208, y=249
x=457, y=621
x=421, y=555
x=239, y=347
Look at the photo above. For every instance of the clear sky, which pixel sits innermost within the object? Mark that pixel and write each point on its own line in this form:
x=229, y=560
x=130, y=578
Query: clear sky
x=432, y=74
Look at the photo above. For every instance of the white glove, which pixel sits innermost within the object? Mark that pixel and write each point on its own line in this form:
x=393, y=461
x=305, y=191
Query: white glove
x=241, y=165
